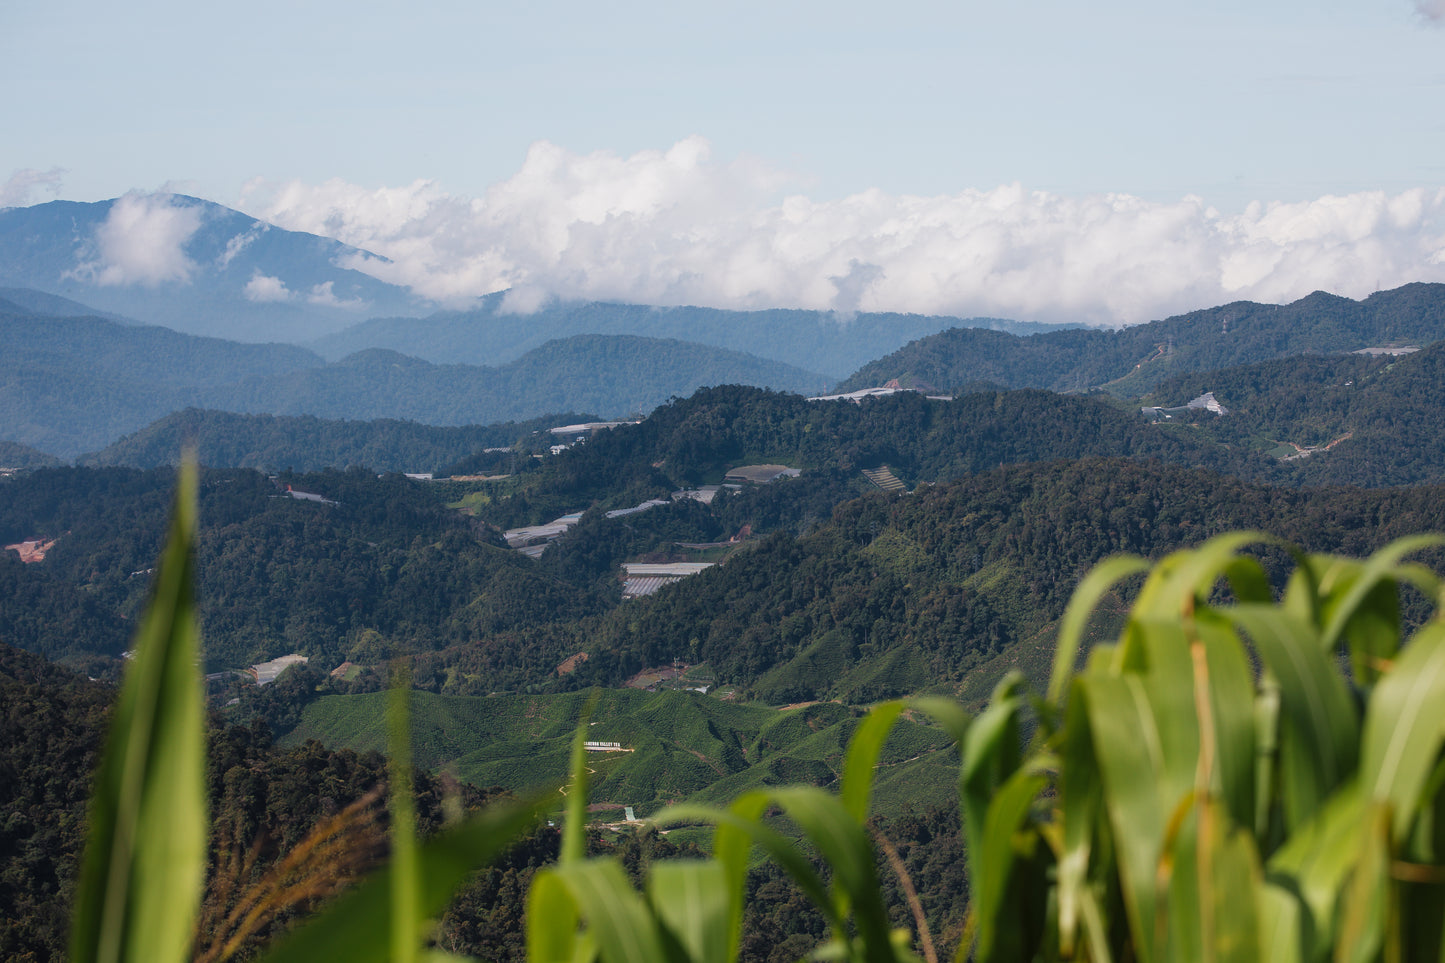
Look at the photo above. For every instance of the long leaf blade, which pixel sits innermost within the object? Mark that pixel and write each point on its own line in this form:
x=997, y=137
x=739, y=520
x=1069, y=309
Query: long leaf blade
x=1404, y=728
x=1099, y=581
x=693, y=900
x=144, y=864
x=863, y=751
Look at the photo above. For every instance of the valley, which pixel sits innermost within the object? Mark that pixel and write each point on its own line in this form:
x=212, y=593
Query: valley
x=720, y=584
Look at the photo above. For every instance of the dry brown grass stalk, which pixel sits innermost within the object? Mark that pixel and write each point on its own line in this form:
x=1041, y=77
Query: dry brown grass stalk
x=322, y=864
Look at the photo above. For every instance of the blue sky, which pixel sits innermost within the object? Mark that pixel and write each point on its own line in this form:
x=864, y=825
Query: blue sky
x=318, y=115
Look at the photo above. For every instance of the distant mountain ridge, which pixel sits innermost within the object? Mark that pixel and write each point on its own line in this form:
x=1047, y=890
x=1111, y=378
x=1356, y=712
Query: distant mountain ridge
x=224, y=439
x=75, y=385
x=203, y=268
x=191, y=265
x=607, y=374
x=31, y=301
x=815, y=340
x=1131, y=361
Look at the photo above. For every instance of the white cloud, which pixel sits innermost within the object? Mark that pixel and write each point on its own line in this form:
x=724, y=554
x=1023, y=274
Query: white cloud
x=240, y=242
x=263, y=288
x=22, y=185
x=142, y=241
x=674, y=227
x=321, y=294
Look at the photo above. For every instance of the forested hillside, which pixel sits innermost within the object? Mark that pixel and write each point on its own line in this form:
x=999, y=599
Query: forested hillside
x=696, y=440
x=384, y=567
x=1130, y=361
x=1341, y=419
x=946, y=587
x=15, y=455
x=223, y=439
x=385, y=570
x=263, y=802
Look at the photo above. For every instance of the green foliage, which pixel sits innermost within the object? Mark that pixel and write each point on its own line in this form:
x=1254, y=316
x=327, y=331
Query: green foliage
x=1218, y=783
x=1238, y=776
x=141, y=878
x=51, y=724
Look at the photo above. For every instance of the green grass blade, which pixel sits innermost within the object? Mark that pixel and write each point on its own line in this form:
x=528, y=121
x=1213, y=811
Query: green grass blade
x=406, y=919
x=552, y=921
x=999, y=918
x=1229, y=677
x=693, y=899
x=1079, y=797
x=1316, y=860
x=356, y=927
x=739, y=828
x=613, y=912
x=1191, y=575
x=574, y=829
x=990, y=756
x=1404, y=728
x=1347, y=606
x=844, y=843
x=1132, y=765
x=841, y=840
x=1281, y=925
x=954, y=720
x=1095, y=585
x=1365, y=910
x=144, y=865
x=1214, y=890
x=863, y=750
x=1319, y=738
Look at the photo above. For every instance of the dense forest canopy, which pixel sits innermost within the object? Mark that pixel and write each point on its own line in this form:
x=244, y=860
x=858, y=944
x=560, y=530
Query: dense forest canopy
x=1131, y=360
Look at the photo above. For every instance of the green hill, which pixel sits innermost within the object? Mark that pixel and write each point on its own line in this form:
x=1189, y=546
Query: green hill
x=1130, y=361
x=956, y=584
x=1340, y=419
x=17, y=456
x=682, y=745
x=223, y=439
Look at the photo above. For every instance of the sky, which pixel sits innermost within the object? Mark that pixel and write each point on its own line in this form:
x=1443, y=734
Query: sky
x=1107, y=163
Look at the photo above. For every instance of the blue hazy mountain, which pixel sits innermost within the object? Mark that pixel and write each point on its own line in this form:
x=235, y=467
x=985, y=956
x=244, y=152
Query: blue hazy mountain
x=69, y=385
x=815, y=340
x=31, y=301
x=191, y=265
x=202, y=268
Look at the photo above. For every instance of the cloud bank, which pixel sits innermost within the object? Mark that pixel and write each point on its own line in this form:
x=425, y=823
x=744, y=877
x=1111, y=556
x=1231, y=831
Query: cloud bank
x=675, y=227
x=20, y=189
x=142, y=241
x=265, y=289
